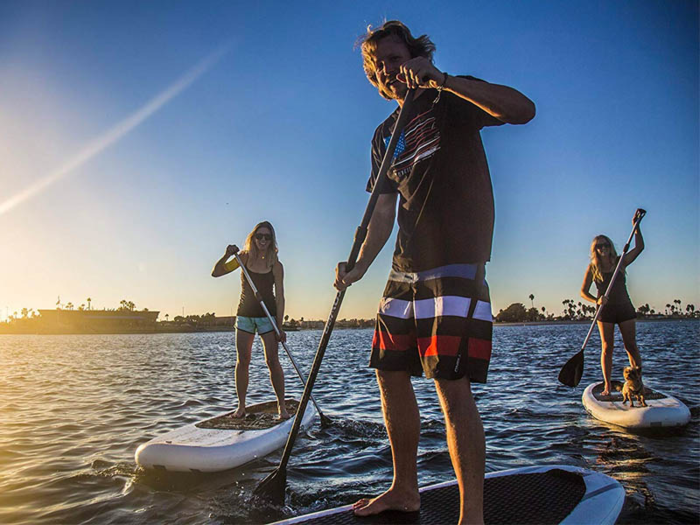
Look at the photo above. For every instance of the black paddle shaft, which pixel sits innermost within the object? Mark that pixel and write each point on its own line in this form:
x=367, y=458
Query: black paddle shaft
x=571, y=372
x=272, y=487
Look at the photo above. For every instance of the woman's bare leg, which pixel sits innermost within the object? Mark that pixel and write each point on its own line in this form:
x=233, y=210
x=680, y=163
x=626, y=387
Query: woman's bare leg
x=244, y=347
x=607, y=338
x=628, y=329
x=276, y=373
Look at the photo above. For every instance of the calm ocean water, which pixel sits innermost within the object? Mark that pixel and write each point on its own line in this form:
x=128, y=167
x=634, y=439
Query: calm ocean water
x=73, y=410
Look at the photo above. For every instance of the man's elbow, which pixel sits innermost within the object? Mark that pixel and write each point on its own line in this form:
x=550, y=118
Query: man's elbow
x=525, y=113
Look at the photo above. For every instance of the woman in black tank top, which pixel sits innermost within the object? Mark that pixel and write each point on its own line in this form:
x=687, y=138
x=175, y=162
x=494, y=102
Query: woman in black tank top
x=617, y=308
x=260, y=259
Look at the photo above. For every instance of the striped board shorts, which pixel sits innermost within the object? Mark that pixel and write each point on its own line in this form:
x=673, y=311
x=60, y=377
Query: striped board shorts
x=435, y=321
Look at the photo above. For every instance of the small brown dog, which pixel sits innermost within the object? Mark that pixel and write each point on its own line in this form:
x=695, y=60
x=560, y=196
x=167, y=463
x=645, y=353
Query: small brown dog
x=633, y=386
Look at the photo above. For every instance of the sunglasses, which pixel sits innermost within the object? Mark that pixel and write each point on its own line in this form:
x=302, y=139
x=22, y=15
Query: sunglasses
x=602, y=245
x=265, y=236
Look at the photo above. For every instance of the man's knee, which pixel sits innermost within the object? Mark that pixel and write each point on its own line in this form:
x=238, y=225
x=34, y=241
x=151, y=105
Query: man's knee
x=393, y=383
x=390, y=376
x=454, y=391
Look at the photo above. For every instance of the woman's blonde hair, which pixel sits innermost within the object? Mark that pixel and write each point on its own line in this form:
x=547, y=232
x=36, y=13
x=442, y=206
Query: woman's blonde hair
x=252, y=249
x=595, y=258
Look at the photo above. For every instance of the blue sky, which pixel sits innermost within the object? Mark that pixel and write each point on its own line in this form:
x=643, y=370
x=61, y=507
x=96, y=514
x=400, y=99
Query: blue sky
x=131, y=196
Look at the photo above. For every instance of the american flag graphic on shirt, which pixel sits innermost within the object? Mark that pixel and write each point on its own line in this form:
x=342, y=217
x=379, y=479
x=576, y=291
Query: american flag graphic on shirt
x=419, y=140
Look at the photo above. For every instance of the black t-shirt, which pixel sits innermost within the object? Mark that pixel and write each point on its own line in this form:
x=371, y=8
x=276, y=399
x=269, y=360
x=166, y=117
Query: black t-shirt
x=446, y=209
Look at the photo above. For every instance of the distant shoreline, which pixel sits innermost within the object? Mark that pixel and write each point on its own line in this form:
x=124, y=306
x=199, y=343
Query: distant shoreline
x=589, y=321
x=189, y=330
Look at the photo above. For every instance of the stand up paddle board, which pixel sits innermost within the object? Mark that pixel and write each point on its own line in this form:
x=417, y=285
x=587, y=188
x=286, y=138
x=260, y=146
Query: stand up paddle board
x=662, y=410
x=531, y=495
x=222, y=442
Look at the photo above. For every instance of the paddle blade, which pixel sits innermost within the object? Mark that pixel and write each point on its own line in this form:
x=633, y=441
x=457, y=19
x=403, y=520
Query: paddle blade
x=325, y=422
x=272, y=487
x=571, y=372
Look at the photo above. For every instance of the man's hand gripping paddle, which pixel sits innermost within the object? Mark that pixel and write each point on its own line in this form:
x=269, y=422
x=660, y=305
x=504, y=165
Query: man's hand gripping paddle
x=324, y=420
x=571, y=372
x=273, y=486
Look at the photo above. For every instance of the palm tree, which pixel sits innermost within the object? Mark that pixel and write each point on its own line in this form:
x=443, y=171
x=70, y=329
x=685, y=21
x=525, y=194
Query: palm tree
x=566, y=302
x=88, y=302
x=532, y=300
x=127, y=305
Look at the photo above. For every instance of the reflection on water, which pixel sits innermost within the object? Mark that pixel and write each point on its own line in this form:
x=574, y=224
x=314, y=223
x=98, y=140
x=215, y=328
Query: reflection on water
x=73, y=410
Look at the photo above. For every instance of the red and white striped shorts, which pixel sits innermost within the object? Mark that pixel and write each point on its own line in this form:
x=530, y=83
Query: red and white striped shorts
x=436, y=321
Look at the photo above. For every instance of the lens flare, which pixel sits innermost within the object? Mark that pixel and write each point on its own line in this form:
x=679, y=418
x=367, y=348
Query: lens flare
x=116, y=133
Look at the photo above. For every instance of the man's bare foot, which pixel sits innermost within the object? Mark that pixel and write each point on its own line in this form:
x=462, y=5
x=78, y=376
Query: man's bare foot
x=606, y=391
x=390, y=500
x=283, y=414
x=239, y=413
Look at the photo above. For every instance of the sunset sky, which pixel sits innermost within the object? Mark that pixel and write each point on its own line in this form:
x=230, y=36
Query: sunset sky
x=138, y=139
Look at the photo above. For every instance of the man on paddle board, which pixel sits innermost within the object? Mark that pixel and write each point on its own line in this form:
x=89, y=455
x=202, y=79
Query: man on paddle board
x=435, y=316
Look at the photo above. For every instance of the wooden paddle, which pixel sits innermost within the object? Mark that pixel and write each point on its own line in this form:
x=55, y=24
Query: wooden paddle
x=570, y=374
x=272, y=487
x=324, y=420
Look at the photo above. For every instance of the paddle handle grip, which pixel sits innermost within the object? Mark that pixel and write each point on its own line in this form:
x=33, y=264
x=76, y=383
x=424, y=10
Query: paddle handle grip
x=638, y=216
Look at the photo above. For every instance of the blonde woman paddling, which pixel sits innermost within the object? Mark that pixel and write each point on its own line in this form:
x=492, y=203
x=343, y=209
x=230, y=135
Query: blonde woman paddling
x=260, y=259
x=617, y=308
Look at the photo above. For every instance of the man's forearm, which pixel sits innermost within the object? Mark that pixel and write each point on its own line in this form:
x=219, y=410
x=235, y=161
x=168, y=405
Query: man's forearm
x=503, y=102
x=378, y=233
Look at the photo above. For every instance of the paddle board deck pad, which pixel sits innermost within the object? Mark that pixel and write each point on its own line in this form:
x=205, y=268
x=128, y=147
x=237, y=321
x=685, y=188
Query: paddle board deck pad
x=530, y=495
x=662, y=410
x=222, y=442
